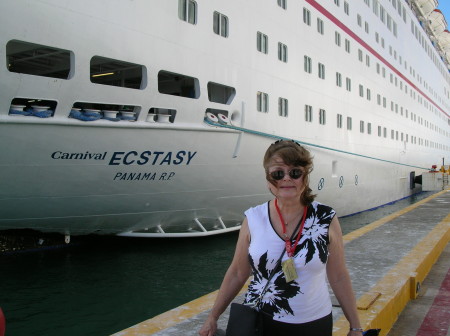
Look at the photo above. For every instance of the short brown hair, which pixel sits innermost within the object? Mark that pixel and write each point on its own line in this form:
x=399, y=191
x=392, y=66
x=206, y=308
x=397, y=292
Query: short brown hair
x=292, y=154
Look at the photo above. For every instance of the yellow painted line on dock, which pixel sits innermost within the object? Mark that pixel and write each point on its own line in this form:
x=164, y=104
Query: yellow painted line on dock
x=381, y=307
x=372, y=299
x=369, y=227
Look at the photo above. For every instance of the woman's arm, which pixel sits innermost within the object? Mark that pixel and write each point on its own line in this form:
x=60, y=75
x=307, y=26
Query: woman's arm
x=339, y=278
x=235, y=278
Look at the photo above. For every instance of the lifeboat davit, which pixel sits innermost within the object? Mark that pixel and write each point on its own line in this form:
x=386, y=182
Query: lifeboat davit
x=426, y=6
x=437, y=22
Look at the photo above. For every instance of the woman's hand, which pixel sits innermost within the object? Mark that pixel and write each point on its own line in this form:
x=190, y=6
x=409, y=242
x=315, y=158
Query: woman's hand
x=235, y=278
x=209, y=327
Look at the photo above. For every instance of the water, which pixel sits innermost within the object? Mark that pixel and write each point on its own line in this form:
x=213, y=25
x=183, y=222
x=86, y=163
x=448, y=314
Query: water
x=105, y=285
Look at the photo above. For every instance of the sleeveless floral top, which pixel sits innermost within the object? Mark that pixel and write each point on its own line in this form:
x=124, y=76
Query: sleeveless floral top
x=306, y=298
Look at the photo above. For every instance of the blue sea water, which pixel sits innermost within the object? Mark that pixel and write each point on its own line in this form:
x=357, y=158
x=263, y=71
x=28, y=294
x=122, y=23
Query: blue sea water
x=104, y=285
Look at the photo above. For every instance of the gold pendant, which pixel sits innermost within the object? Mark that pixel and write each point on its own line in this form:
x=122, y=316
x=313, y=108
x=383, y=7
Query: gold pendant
x=289, y=270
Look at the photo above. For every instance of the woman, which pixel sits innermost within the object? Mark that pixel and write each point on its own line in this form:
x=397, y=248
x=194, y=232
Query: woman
x=297, y=300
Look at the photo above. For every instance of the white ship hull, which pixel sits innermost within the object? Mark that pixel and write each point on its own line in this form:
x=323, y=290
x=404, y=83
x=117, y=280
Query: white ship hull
x=187, y=176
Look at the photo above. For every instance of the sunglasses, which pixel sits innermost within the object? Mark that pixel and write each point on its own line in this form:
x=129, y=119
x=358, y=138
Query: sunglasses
x=294, y=174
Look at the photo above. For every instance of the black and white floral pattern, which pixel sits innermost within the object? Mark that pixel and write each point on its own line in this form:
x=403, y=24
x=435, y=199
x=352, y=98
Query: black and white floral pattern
x=314, y=242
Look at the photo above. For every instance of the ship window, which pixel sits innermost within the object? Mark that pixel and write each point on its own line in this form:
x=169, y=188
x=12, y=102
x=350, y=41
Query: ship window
x=187, y=11
x=369, y=128
x=178, y=85
x=322, y=117
x=361, y=91
x=368, y=94
x=307, y=64
x=282, y=3
x=339, y=121
x=389, y=22
x=219, y=93
x=220, y=24
x=366, y=27
x=375, y=7
x=384, y=132
x=282, y=52
x=262, y=42
x=361, y=126
x=113, y=72
x=38, y=60
x=262, y=102
x=349, y=123
x=308, y=113
x=336, y=2
x=337, y=38
x=347, y=45
x=348, y=84
x=359, y=20
x=382, y=14
x=360, y=55
x=321, y=71
x=379, y=131
x=338, y=79
x=320, y=27
x=306, y=16
x=283, y=107
x=346, y=8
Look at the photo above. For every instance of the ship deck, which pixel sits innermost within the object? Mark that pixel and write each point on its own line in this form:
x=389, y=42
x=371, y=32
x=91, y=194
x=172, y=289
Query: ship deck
x=388, y=260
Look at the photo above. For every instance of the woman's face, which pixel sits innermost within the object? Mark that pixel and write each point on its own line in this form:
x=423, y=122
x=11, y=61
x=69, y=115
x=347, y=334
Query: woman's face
x=287, y=187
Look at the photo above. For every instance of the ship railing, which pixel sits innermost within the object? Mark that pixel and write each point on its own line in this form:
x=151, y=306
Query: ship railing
x=201, y=227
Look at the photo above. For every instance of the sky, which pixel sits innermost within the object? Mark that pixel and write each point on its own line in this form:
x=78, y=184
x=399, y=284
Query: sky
x=444, y=6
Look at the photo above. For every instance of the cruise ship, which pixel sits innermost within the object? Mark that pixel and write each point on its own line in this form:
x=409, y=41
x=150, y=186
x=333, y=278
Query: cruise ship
x=150, y=118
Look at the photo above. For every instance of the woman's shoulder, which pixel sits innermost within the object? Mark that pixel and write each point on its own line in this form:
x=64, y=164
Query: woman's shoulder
x=322, y=210
x=258, y=209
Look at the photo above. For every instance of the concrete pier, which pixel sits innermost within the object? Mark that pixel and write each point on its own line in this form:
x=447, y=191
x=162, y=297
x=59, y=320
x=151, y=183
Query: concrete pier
x=388, y=261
